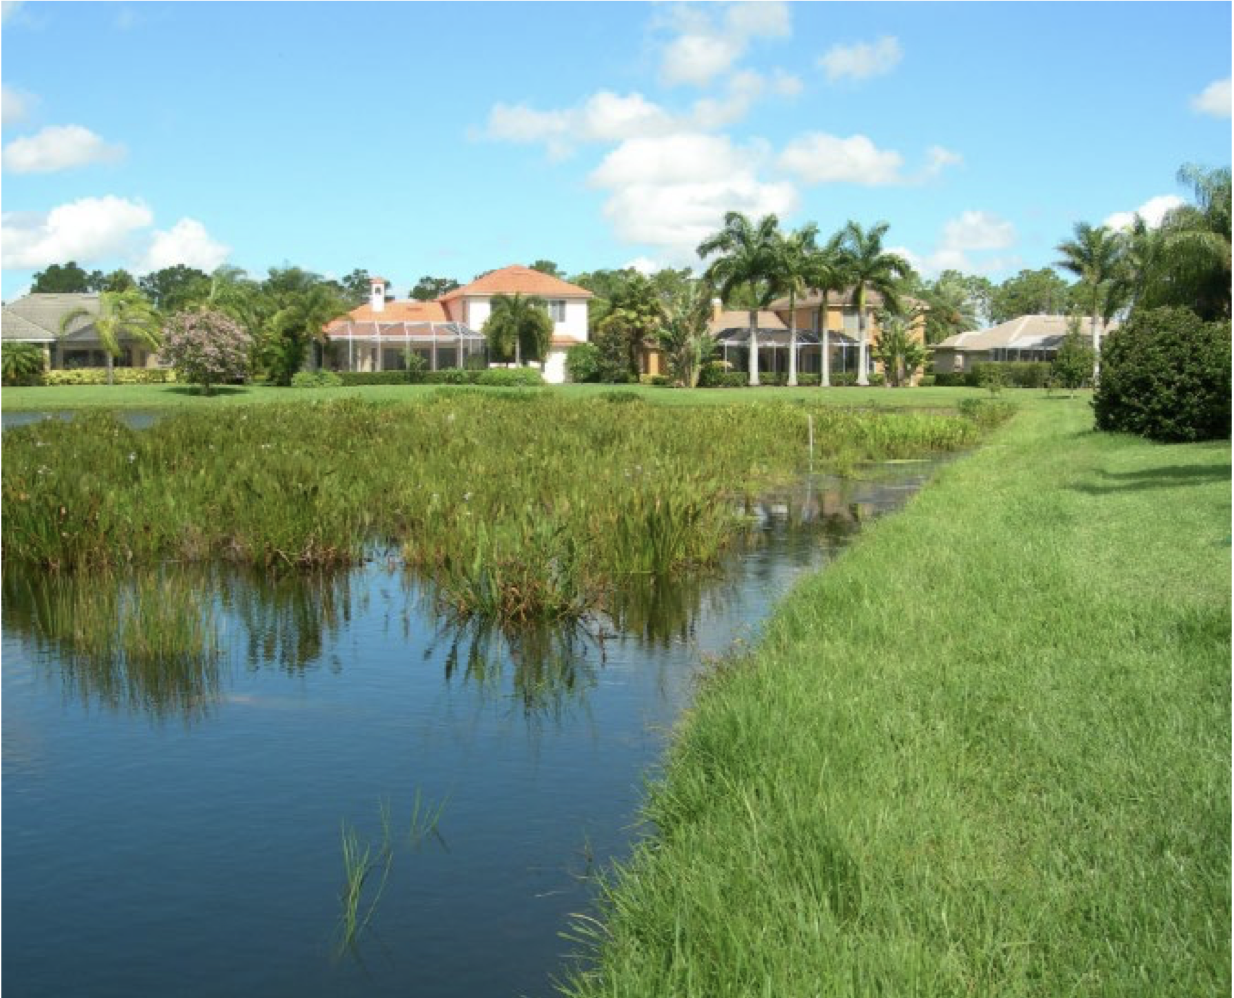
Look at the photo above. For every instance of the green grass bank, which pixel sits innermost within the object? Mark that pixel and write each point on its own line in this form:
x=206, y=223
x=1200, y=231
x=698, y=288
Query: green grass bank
x=986, y=752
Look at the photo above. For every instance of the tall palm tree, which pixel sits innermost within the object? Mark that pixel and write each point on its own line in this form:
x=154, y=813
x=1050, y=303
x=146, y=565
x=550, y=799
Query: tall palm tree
x=296, y=308
x=1095, y=256
x=796, y=266
x=871, y=268
x=749, y=259
x=517, y=323
x=122, y=315
x=829, y=271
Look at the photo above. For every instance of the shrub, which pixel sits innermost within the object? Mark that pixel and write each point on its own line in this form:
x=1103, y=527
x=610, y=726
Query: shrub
x=123, y=376
x=1008, y=374
x=510, y=377
x=449, y=376
x=353, y=379
x=950, y=379
x=21, y=364
x=206, y=348
x=1073, y=364
x=658, y=380
x=809, y=380
x=316, y=379
x=583, y=363
x=1165, y=375
x=877, y=379
x=843, y=379
x=986, y=413
x=927, y=381
x=417, y=366
x=712, y=372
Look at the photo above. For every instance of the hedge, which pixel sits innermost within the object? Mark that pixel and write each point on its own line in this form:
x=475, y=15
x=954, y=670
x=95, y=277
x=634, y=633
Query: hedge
x=121, y=376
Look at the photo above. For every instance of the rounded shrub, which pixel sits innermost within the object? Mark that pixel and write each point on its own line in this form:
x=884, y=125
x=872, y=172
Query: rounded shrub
x=22, y=363
x=206, y=348
x=583, y=363
x=1165, y=375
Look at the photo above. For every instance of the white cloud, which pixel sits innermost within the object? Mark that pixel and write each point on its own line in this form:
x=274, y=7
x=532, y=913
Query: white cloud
x=670, y=193
x=1214, y=100
x=643, y=264
x=863, y=60
x=1152, y=211
x=971, y=232
x=186, y=242
x=939, y=159
x=978, y=230
x=58, y=147
x=818, y=158
x=15, y=106
x=708, y=46
x=87, y=230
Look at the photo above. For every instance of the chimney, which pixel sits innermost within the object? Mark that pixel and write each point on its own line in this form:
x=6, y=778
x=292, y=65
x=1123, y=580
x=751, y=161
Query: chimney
x=717, y=306
x=377, y=293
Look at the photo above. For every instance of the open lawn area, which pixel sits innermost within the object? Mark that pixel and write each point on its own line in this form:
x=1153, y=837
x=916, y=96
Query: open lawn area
x=175, y=396
x=987, y=752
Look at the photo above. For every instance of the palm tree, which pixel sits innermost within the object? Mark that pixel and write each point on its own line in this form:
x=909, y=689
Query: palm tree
x=871, y=268
x=829, y=271
x=516, y=323
x=949, y=310
x=683, y=333
x=748, y=259
x=796, y=266
x=122, y=314
x=298, y=308
x=1095, y=256
x=1193, y=267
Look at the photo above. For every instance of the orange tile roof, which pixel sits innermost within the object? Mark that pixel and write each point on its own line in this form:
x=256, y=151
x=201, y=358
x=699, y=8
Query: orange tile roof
x=395, y=311
x=519, y=280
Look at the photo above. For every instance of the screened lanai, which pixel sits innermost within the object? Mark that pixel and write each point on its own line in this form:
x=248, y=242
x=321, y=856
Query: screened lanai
x=385, y=346
x=773, y=347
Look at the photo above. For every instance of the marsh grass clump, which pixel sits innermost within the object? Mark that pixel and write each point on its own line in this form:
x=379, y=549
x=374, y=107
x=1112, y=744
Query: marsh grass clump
x=523, y=505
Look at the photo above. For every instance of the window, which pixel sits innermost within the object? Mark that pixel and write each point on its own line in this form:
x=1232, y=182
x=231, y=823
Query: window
x=852, y=325
x=557, y=311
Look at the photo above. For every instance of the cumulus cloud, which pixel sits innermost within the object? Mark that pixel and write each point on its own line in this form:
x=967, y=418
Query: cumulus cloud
x=979, y=232
x=861, y=61
x=1152, y=211
x=711, y=41
x=187, y=242
x=1214, y=99
x=15, y=106
x=86, y=230
x=818, y=158
x=58, y=147
x=670, y=193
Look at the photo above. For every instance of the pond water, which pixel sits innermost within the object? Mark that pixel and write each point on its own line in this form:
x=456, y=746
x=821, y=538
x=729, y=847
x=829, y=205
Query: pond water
x=178, y=829
x=137, y=419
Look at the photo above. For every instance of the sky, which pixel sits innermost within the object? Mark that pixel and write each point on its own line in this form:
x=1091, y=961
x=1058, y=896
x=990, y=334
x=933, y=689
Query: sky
x=447, y=139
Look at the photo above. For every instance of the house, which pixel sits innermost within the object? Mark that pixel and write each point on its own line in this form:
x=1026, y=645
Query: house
x=377, y=335
x=36, y=318
x=1030, y=337
x=731, y=330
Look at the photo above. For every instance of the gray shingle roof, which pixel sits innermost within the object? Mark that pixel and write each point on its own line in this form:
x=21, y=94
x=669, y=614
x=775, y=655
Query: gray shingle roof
x=1028, y=332
x=37, y=317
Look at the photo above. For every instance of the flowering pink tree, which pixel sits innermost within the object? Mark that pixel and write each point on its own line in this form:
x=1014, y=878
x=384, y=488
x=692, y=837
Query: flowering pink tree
x=206, y=348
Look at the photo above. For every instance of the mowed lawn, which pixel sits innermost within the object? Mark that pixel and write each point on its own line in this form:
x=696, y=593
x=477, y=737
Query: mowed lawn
x=986, y=752
x=64, y=397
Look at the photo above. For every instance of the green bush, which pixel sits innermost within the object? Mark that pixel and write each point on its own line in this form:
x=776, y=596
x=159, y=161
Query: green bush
x=121, y=376
x=361, y=378
x=449, y=376
x=809, y=380
x=510, y=377
x=843, y=379
x=658, y=380
x=1009, y=373
x=22, y=364
x=416, y=366
x=950, y=379
x=1165, y=375
x=928, y=381
x=986, y=413
x=583, y=363
x=316, y=379
x=877, y=379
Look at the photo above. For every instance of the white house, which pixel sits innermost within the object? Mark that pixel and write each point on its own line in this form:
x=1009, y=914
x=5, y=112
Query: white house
x=445, y=332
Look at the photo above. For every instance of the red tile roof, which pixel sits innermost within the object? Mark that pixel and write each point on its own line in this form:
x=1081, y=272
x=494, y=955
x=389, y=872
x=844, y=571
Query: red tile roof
x=395, y=311
x=519, y=280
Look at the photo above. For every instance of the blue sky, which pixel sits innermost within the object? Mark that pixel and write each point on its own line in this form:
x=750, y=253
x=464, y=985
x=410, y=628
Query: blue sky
x=448, y=139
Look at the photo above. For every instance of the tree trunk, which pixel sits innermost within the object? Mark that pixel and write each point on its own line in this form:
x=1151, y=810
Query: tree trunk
x=753, y=348
x=111, y=362
x=863, y=348
x=825, y=380
x=518, y=353
x=1096, y=352
x=792, y=341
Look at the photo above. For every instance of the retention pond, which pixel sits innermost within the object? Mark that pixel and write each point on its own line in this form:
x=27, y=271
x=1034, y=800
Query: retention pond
x=177, y=827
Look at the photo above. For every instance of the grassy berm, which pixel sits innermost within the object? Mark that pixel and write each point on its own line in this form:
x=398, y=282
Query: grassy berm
x=987, y=752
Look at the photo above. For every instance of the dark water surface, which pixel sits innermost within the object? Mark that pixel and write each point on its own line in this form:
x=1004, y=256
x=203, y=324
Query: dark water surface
x=137, y=419
x=177, y=831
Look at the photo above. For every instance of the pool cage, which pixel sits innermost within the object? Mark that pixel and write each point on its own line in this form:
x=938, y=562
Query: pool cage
x=385, y=346
x=773, y=347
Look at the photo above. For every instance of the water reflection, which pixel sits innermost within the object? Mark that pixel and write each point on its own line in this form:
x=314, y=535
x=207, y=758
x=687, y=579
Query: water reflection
x=155, y=641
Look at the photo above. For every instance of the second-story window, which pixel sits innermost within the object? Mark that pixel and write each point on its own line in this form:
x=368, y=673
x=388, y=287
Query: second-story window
x=557, y=311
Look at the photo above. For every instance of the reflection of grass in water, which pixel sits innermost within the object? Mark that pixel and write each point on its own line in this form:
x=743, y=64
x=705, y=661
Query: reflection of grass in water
x=362, y=860
x=146, y=641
